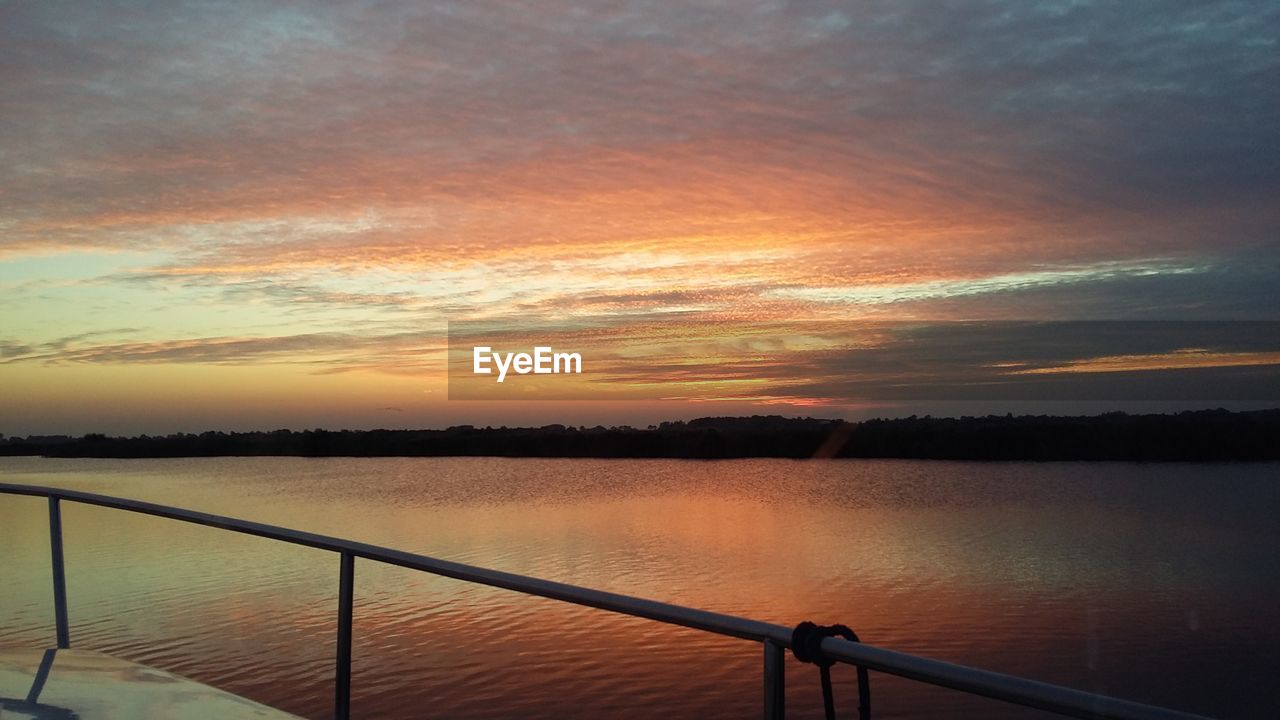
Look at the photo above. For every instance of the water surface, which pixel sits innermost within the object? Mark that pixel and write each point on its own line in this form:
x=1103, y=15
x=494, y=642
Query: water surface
x=1158, y=583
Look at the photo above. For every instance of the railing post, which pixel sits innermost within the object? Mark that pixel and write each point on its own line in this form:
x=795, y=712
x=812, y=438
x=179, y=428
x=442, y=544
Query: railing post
x=59, y=575
x=774, y=681
x=342, y=677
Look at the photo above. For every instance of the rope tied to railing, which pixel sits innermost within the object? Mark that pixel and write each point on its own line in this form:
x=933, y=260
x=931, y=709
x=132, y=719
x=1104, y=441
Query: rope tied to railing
x=806, y=646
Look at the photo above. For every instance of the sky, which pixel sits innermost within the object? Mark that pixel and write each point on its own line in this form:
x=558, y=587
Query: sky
x=241, y=215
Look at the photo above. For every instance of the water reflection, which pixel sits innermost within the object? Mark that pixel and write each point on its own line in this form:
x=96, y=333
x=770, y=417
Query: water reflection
x=1139, y=581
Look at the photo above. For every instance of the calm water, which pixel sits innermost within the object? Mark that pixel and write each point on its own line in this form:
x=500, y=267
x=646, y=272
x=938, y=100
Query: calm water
x=1158, y=583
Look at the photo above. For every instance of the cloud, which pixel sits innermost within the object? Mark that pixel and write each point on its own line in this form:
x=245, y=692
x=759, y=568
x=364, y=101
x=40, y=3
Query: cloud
x=131, y=119
x=9, y=349
x=325, y=352
x=323, y=184
x=933, y=289
x=878, y=361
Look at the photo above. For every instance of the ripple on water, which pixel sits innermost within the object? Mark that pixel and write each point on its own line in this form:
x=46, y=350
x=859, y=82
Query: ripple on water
x=1139, y=580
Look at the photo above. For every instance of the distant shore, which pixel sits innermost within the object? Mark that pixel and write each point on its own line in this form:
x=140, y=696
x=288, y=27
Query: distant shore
x=1207, y=435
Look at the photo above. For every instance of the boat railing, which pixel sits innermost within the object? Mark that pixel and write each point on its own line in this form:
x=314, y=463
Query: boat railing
x=774, y=639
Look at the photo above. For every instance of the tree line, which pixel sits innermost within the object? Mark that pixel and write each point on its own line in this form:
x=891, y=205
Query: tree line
x=1208, y=435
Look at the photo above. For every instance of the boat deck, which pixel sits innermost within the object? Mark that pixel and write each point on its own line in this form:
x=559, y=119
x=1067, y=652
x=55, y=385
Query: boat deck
x=64, y=684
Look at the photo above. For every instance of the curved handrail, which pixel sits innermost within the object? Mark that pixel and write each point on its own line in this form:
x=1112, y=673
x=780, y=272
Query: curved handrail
x=1009, y=688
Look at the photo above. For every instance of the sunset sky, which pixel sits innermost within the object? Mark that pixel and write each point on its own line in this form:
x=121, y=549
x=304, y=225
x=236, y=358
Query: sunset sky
x=257, y=215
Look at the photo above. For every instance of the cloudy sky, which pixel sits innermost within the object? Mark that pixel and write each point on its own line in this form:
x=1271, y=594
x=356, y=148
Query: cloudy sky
x=254, y=215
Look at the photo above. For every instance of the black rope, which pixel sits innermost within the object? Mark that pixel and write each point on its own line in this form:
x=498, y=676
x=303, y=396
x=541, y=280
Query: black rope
x=806, y=645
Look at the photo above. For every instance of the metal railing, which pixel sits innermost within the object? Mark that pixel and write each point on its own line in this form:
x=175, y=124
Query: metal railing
x=775, y=639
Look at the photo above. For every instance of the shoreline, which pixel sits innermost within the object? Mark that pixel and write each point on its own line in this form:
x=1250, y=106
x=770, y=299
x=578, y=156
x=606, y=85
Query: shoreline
x=1193, y=436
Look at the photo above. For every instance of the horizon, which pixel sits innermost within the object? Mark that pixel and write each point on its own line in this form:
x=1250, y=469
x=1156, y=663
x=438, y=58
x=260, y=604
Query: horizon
x=253, y=216
x=658, y=425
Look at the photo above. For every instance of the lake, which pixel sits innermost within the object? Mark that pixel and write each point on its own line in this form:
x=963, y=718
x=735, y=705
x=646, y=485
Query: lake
x=1158, y=582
